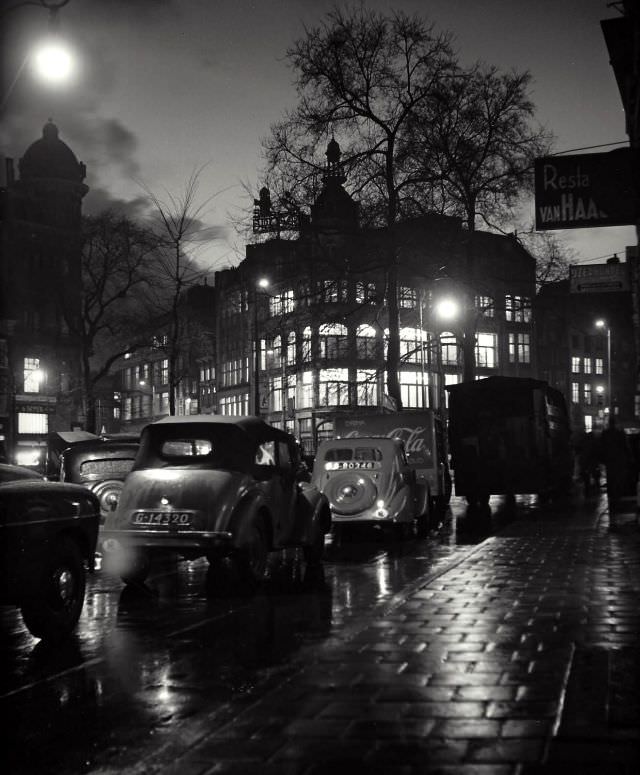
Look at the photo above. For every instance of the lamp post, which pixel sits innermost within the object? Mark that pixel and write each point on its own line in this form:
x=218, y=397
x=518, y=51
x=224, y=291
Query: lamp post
x=602, y=324
x=261, y=284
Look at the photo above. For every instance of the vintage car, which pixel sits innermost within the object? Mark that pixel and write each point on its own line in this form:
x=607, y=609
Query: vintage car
x=101, y=465
x=368, y=480
x=215, y=486
x=48, y=536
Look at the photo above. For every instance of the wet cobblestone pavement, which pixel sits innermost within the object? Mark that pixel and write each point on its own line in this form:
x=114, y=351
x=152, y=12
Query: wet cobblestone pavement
x=521, y=656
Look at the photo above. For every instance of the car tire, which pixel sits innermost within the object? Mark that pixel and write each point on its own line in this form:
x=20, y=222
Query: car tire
x=251, y=554
x=54, y=607
x=136, y=566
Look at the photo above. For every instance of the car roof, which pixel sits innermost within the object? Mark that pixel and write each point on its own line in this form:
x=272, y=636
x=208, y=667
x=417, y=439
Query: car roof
x=255, y=427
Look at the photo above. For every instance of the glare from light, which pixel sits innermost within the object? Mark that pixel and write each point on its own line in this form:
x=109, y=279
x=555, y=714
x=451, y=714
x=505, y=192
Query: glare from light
x=53, y=62
x=601, y=323
x=600, y=389
x=28, y=457
x=447, y=309
x=263, y=282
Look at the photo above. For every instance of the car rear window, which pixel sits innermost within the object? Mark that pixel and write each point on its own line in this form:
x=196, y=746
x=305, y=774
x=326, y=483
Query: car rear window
x=118, y=467
x=191, y=448
x=355, y=453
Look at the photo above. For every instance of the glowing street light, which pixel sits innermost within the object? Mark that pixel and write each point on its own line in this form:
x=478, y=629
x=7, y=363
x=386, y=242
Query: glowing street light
x=448, y=308
x=53, y=62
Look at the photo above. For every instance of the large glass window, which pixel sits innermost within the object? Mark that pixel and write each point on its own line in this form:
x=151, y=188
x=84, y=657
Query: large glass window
x=305, y=345
x=291, y=348
x=519, y=348
x=365, y=291
x=334, y=387
x=408, y=298
x=487, y=350
x=33, y=422
x=333, y=341
x=366, y=342
x=305, y=390
x=33, y=375
x=587, y=365
x=366, y=385
x=411, y=344
x=411, y=389
x=485, y=306
x=517, y=308
x=575, y=392
x=599, y=365
x=449, y=349
x=575, y=365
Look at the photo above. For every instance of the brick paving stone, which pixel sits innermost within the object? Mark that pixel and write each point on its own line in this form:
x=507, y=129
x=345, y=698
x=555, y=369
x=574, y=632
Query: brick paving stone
x=521, y=658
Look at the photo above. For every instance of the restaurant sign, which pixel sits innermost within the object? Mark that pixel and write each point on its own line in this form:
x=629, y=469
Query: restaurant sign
x=586, y=190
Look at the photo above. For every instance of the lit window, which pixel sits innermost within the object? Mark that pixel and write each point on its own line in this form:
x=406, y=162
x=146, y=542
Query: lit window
x=485, y=306
x=575, y=392
x=333, y=341
x=586, y=393
x=305, y=390
x=33, y=422
x=599, y=366
x=366, y=342
x=487, y=350
x=334, y=387
x=366, y=385
x=33, y=375
x=575, y=365
x=408, y=298
x=365, y=292
x=517, y=308
x=587, y=365
x=449, y=348
x=519, y=348
x=413, y=389
x=411, y=345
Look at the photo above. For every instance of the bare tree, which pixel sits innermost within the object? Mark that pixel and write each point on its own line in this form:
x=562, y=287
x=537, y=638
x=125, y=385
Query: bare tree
x=180, y=231
x=361, y=76
x=115, y=269
x=551, y=253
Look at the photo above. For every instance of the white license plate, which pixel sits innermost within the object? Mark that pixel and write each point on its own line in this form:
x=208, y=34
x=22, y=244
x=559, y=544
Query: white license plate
x=163, y=518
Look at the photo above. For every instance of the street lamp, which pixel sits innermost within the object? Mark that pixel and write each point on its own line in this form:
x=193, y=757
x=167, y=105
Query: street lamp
x=602, y=324
x=261, y=284
x=52, y=59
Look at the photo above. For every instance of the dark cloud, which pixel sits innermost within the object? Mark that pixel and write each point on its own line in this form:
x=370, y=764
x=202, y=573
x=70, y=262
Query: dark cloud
x=100, y=199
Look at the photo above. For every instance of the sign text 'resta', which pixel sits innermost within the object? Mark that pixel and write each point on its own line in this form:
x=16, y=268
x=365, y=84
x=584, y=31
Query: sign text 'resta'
x=586, y=190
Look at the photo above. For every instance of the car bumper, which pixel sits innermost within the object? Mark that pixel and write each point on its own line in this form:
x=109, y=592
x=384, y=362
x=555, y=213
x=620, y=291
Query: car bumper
x=112, y=542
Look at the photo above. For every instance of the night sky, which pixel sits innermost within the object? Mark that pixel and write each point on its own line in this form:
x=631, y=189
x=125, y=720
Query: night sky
x=167, y=86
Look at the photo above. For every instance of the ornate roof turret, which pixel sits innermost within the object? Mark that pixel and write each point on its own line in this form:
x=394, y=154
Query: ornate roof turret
x=334, y=208
x=50, y=158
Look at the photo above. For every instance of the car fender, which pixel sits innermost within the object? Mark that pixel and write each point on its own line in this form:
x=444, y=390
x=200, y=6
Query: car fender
x=252, y=504
x=315, y=508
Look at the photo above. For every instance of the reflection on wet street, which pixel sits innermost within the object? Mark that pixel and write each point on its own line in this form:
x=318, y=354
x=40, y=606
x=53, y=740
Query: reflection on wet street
x=147, y=658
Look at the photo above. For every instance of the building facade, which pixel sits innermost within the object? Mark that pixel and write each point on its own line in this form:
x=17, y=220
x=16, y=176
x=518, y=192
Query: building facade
x=41, y=290
x=302, y=324
x=586, y=344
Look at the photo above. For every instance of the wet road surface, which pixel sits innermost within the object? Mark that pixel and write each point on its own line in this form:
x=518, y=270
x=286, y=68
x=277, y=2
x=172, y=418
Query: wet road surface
x=146, y=659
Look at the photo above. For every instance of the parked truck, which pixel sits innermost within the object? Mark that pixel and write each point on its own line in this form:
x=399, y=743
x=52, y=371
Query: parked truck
x=508, y=435
x=424, y=435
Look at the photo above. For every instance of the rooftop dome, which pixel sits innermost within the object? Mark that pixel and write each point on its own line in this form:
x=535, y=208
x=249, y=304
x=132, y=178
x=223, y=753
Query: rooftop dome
x=49, y=157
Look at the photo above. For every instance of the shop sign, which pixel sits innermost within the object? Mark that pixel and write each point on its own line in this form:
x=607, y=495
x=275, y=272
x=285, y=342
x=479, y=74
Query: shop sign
x=586, y=190
x=601, y=278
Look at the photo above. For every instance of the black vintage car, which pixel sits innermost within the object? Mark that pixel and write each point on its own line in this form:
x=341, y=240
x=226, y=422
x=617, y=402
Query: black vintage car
x=48, y=536
x=215, y=486
x=101, y=465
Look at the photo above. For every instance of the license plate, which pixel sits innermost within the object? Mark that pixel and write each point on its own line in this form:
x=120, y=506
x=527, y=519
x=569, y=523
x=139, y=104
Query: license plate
x=163, y=518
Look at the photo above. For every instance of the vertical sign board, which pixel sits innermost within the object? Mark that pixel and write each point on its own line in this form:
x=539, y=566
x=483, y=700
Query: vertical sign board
x=587, y=190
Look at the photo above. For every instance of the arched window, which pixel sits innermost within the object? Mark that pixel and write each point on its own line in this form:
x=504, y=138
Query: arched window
x=366, y=341
x=411, y=344
x=333, y=341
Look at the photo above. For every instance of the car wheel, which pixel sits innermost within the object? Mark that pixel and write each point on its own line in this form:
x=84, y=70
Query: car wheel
x=251, y=553
x=135, y=567
x=54, y=608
